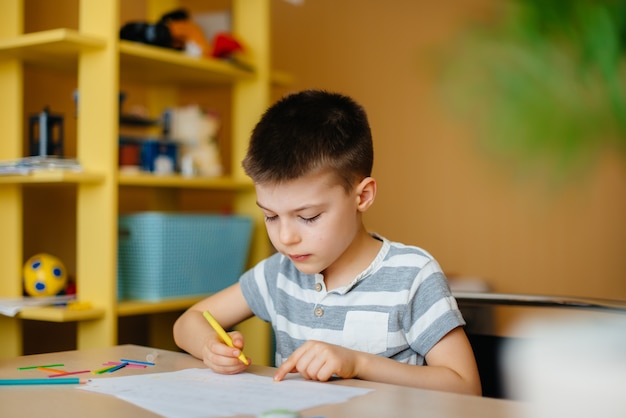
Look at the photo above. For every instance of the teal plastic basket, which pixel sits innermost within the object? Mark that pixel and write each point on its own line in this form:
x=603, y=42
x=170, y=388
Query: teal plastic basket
x=164, y=256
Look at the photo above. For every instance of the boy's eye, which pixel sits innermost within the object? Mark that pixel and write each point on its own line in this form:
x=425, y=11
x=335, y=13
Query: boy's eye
x=311, y=219
x=271, y=218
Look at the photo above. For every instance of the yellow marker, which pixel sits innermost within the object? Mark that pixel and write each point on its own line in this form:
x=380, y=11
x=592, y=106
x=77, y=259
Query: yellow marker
x=225, y=337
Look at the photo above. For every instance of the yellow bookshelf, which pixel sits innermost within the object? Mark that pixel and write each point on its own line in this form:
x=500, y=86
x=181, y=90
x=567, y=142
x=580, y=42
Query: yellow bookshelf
x=99, y=61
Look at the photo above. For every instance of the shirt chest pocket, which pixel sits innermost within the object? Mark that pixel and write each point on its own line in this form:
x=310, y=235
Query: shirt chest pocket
x=366, y=331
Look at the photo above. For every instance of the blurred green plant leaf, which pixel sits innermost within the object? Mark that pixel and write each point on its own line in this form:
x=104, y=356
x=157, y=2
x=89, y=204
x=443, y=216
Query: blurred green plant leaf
x=545, y=80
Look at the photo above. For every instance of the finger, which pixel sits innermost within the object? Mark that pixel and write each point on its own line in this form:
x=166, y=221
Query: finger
x=313, y=369
x=224, y=350
x=219, y=354
x=288, y=366
x=237, y=338
x=237, y=368
x=309, y=361
x=224, y=365
x=325, y=372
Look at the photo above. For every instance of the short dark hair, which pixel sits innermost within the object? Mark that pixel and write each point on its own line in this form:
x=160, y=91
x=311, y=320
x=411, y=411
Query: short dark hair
x=308, y=131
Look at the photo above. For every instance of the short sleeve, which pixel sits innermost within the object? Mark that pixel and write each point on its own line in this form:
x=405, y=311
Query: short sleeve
x=433, y=311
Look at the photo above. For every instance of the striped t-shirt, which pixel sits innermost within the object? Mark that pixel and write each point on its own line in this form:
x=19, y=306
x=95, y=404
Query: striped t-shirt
x=399, y=307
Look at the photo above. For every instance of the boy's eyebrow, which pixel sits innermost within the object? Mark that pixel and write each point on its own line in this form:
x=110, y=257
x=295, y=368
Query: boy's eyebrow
x=294, y=210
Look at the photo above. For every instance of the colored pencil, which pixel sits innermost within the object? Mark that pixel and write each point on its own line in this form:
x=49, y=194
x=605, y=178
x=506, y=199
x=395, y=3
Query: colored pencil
x=129, y=365
x=149, y=363
x=115, y=368
x=66, y=381
x=106, y=369
x=223, y=335
x=68, y=373
x=46, y=369
x=36, y=367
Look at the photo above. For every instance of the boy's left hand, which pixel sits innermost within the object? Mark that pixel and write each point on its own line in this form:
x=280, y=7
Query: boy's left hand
x=316, y=360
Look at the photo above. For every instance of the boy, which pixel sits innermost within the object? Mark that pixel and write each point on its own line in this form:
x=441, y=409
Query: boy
x=342, y=302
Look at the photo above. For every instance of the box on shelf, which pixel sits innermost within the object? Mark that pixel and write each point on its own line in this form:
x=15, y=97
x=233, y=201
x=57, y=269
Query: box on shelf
x=164, y=255
x=150, y=155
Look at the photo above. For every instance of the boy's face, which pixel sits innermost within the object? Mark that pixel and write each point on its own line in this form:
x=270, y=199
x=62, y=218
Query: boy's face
x=311, y=220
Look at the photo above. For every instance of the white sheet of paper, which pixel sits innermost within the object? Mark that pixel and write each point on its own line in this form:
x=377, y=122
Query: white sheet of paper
x=202, y=393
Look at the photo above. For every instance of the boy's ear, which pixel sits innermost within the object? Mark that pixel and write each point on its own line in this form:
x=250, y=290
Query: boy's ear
x=365, y=193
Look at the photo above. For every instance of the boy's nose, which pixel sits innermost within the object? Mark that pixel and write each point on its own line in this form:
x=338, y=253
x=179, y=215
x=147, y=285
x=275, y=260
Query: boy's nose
x=288, y=234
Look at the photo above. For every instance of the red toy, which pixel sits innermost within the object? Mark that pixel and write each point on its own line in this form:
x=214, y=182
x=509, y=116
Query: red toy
x=187, y=35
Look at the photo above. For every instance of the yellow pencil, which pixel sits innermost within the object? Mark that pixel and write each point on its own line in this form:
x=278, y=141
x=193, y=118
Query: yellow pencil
x=223, y=335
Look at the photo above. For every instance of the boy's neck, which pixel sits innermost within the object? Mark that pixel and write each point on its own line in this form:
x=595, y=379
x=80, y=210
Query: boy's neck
x=353, y=261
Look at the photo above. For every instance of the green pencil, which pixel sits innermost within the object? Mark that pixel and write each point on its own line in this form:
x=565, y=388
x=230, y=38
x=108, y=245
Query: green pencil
x=60, y=381
x=36, y=367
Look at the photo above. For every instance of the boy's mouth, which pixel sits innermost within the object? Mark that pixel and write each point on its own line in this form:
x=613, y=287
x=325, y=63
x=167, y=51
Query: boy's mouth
x=299, y=257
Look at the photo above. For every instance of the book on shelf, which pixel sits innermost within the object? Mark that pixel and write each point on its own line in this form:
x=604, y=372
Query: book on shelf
x=13, y=306
x=27, y=165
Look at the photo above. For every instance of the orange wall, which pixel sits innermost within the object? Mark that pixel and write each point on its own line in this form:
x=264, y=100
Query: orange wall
x=480, y=216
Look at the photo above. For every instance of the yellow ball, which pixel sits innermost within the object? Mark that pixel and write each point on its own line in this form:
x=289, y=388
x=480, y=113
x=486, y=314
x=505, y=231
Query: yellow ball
x=44, y=275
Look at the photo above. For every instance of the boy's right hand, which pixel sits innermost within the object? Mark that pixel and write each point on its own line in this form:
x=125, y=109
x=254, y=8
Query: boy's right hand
x=221, y=358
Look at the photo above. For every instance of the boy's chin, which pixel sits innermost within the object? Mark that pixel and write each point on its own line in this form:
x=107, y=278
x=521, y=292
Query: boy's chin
x=307, y=269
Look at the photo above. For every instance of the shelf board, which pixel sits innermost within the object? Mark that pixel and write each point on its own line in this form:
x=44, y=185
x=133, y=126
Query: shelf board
x=136, y=307
x=52, y=176
x=178, y=181
x=57, y=48
x=60, y=314
x=124, y=308
x=60, y=48
x=146, y=63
